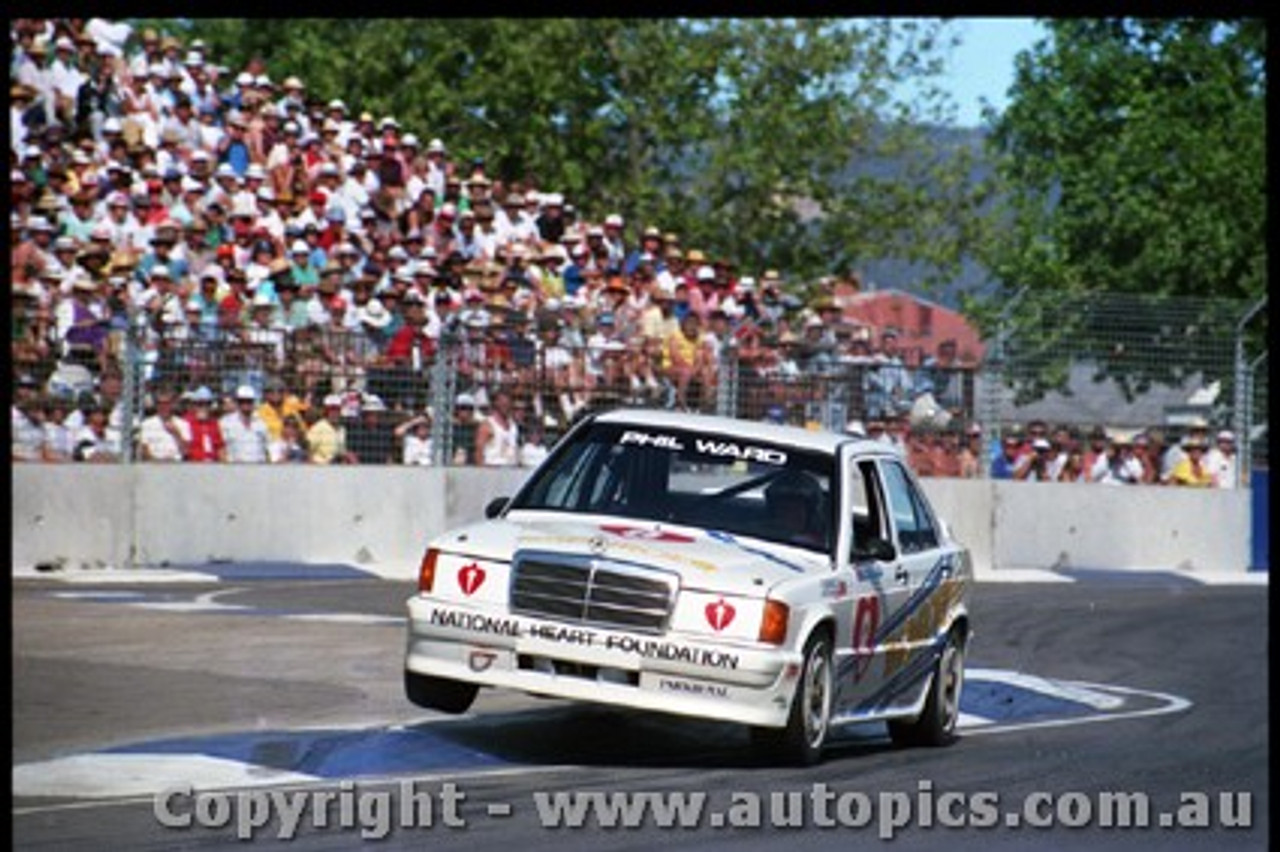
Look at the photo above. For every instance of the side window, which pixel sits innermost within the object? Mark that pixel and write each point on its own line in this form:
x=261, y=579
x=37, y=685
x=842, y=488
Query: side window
x=866, y=500
x=910, y=515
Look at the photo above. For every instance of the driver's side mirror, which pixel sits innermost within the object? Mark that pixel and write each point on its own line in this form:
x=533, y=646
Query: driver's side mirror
x=496, y=507
x=876, y=549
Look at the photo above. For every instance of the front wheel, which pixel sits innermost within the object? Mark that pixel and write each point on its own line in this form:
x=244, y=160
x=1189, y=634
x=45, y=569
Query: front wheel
x=801, y=741
x=936, y=725
x=439, y=693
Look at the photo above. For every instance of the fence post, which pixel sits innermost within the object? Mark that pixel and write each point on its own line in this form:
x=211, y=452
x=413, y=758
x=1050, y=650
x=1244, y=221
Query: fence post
x=1239, y=414
x=131, y=390
x=727, y=387
x=994, y=384
x=442, y=381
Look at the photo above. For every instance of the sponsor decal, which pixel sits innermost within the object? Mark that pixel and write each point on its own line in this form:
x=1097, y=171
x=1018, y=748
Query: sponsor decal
x=644, y=439
x=707, y=447
x=646, y=534
x=690, y=687
x=720, y=614
x=476, y=622
x=764, y=455
x=469, y=578
x=628, y=546
x=834, y=588
x=480, y=660
x=654, y=649
x=560, y=633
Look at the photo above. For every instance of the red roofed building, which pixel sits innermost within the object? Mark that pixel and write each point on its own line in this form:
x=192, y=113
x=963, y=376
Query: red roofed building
x=920, y=323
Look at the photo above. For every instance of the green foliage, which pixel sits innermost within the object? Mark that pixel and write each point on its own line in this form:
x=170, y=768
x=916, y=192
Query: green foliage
x=748, y=137
x=1131, y=159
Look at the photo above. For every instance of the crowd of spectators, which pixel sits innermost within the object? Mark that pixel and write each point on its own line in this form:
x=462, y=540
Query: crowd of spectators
x=289, y=270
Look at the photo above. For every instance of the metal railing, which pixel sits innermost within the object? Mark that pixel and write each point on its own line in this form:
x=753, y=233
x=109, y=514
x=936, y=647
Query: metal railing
x=1122, y=363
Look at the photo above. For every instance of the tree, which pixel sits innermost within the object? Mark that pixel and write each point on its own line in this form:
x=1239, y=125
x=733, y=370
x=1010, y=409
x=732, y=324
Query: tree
x=751, y=138
x=1131, y=160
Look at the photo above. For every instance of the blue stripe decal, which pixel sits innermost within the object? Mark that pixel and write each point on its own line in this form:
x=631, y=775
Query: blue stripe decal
x=726, y=538
x=904, y=678
x=931, y=583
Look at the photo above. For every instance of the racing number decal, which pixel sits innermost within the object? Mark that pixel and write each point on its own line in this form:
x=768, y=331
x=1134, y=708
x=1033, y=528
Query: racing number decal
x=866, y=621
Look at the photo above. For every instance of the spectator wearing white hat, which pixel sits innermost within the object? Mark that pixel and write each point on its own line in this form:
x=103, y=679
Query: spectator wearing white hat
x=327, y=437
x=244, y=430
x=1223, y=461
x=414, y=436
x=614, y=242
x=65, y=78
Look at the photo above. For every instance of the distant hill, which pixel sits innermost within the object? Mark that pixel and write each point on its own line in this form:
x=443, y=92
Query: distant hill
x=896, y=274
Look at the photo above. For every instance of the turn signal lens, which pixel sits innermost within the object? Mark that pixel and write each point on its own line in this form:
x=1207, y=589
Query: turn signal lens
x=773, y=624
x=427, y=571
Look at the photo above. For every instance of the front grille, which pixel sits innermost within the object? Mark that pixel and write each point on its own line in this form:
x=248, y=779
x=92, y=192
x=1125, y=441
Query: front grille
x=593, y=592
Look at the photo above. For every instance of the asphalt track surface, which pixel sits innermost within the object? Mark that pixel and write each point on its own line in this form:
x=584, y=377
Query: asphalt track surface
x=291, y=678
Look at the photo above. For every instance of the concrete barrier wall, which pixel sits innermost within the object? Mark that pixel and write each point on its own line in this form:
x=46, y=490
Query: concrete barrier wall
x=380, y=517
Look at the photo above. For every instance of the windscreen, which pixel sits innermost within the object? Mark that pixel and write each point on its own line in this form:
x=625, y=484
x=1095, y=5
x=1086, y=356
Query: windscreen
x=715, y=482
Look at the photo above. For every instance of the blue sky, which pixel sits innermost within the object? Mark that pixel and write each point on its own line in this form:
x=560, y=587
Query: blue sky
x=982, y=66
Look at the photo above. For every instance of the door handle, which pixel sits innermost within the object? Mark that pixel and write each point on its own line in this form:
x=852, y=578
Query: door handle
x=900, y=574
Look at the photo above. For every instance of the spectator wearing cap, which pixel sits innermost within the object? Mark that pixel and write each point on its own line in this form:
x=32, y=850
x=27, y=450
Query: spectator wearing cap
x=889, y=382
x=1192, y=469
x=163, y=242
x=412, y=346
x=278, y=406
x=329, y=287
x=1007, y=464
x=290, y=447
x=233, y=148
x=414, y=437
x=371, y=439
x=1039, y=464
x=687, y=363
x=65, y=78
x=464, y=429
x=613, y=242
x=81, y=324
x=206, y=443
x=649, y=251
x=550, y=222
x=1119, y=465
x=1096, y=449
x=244, y=430
x=164, y=435
x=969, y=453
x=327, y=436
x=1223, y=461
x=301, y=268
x=95, y=441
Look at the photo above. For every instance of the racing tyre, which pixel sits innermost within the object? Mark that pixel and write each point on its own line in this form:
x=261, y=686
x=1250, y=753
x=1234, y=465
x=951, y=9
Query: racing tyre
x=936, y=725
x=801, y=741
x=439, y=693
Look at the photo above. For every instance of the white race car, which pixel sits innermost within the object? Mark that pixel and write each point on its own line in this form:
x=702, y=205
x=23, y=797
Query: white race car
x=785, y=579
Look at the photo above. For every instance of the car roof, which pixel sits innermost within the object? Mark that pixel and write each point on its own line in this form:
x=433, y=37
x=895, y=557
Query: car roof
x=772, y=433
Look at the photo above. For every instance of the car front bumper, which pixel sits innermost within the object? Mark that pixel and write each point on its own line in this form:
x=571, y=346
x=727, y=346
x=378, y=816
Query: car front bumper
x=673, y=673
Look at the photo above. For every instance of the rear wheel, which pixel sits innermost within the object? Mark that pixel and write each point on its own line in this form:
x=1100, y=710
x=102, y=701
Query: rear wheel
x=801, y=741
x=936, y=724
x=439, y=693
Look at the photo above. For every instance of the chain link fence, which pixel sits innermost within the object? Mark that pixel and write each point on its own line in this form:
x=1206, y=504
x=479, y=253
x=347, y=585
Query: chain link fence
x=343, y=394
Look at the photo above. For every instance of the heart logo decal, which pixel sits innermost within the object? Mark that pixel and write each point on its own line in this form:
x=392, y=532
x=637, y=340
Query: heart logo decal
x=470, y=578
x=720, y=614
